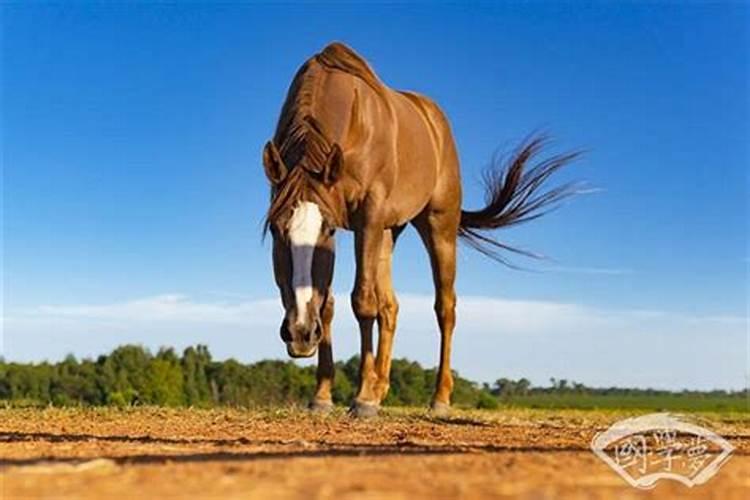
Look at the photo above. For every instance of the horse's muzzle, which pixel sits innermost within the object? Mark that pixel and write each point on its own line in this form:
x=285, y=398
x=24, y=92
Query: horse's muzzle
x=301, y=339
x=298, y=350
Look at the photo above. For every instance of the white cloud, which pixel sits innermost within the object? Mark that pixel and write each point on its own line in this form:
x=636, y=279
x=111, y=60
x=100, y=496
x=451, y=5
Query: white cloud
x=163, y=308
x=495, y=337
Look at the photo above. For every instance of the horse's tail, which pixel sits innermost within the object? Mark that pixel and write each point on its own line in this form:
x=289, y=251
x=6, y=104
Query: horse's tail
x=514, y=194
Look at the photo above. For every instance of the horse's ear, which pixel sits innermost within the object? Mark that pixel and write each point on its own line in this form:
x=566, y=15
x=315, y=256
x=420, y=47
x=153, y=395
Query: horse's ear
x=333, y=165
x=272, y=164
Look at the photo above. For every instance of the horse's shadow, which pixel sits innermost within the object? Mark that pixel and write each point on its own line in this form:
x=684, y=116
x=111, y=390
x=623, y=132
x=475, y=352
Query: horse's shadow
x=316, y=449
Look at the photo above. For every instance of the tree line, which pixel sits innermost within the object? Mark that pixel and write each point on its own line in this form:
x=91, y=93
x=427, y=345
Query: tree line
x=132, y=375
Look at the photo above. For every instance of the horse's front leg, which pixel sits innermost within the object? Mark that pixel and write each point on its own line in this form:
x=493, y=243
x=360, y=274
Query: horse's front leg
x=368, y=242
x=323, y=402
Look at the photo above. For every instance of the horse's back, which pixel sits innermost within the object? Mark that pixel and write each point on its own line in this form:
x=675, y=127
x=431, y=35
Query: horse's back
x=396, y=143
x=447, y=185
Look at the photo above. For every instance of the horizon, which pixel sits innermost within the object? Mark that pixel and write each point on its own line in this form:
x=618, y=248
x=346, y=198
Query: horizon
x=133, y=191
x=551, y=383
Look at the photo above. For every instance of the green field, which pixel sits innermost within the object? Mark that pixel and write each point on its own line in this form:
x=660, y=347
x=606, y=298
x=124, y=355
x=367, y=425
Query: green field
x=693, y=402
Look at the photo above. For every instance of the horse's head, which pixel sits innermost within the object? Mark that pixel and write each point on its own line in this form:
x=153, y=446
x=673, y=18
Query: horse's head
x=303, y=251
x=303, y=257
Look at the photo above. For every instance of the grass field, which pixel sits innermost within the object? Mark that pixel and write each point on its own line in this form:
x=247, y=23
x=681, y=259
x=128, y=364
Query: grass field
x=288, y=452
x=668, y=402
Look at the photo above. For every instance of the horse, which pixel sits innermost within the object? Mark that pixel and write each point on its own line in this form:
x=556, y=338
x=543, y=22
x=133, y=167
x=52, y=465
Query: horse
x=351, y=153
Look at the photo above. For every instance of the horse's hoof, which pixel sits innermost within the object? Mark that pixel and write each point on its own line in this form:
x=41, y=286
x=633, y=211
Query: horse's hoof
x=440, y=409
x=321, y=406
x=364, y=410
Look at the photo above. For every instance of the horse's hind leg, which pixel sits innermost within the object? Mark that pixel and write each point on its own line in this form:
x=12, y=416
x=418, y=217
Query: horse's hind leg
x=439, y=230
x=387, y=312
x=322, y=402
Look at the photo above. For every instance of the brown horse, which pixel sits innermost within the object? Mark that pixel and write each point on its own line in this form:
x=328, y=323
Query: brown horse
x=351, y=153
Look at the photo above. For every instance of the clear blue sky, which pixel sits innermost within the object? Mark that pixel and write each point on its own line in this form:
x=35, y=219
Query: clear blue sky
x=131, y=154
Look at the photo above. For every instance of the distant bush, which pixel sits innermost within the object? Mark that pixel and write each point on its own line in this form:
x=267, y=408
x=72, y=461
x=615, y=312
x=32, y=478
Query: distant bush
x=487, y=401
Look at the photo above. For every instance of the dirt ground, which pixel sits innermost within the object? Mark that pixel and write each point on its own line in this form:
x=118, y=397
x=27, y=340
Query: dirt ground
x=289, y=453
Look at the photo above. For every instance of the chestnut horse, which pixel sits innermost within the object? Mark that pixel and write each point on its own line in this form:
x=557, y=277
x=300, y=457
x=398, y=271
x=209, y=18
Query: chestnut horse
x=351, y=153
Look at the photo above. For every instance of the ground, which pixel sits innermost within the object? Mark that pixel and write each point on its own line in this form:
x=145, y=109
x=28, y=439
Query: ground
x=154, y=452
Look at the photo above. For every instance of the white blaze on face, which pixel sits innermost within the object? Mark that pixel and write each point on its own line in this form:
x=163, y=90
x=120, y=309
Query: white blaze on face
x=304, y=229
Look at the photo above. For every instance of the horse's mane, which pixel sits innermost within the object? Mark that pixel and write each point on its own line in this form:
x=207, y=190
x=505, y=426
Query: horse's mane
x=303, y=144
x=338, y=56
x=300, y=137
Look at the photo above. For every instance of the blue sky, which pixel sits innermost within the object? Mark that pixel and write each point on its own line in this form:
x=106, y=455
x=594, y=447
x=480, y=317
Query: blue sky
x=133, y=190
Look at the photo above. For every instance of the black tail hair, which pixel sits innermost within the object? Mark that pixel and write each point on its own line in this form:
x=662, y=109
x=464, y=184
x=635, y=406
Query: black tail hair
x=514, y=194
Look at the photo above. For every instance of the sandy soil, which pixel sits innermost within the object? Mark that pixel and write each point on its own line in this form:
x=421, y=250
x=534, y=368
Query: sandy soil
x=292, y=454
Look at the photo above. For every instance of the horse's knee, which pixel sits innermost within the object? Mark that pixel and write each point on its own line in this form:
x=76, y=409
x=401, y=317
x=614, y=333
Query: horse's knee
x=388, y=311
x=445, y=310
x=365, y=302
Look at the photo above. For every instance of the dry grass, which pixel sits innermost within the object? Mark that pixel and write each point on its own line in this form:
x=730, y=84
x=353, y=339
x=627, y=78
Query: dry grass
x=288, y=452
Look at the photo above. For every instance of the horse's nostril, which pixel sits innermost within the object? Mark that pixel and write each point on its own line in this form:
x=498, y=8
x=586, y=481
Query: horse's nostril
x=312, y=334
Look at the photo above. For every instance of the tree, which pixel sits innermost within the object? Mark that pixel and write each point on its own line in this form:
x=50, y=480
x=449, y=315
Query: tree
x=195, y=363
x=126, y=370
x=165, y=380
x=522, y=386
